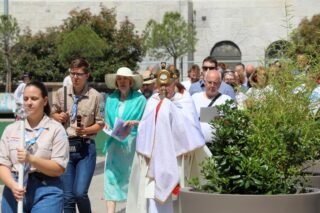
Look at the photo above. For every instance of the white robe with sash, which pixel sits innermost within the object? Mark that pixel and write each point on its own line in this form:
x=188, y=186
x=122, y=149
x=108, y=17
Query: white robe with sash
x=168, y=151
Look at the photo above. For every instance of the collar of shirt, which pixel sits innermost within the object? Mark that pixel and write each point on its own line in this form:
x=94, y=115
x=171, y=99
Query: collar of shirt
x=42, y=124
x=84, y=93
x=201, y=82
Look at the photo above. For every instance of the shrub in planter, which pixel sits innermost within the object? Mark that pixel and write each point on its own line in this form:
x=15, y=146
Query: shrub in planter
x=260, y=150
x=258, y=153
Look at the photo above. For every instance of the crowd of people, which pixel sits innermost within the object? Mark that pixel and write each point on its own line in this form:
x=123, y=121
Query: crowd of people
x=165, y=136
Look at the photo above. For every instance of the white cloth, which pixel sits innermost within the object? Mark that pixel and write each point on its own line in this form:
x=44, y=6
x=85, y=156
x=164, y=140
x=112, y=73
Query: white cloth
x=300, y=88
x=155, y=207
x=186, y=84
x=257, y=93
x=18, y=93
x=201, y=100
x=169, y=151
x=67, y=81
x=142, y=188
x=315, y=100
x=178, y=132
x=240, y=99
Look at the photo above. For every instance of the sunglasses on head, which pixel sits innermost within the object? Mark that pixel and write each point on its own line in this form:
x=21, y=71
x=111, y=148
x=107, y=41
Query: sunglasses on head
x=205, y=68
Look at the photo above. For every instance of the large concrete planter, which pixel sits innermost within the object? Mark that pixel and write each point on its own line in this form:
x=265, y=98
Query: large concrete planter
x=196, y=202
x=312, y=169
x=313, y=181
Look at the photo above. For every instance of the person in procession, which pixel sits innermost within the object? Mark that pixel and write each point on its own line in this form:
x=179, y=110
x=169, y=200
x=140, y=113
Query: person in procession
x=169, y=147
x=125, y=104
x=210, y=97
x=18, y=93
x=45, y=157
x=78, y=108
x=148, y=85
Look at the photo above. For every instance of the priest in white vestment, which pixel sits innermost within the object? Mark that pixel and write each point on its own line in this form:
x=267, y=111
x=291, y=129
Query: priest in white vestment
x=169, y=149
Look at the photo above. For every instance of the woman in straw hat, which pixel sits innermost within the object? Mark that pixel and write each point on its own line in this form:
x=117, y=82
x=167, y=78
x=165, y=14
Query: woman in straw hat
x=126, y=104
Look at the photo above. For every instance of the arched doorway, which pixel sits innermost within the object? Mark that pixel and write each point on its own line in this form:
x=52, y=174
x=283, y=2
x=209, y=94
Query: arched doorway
x=276, y=50
x=227, y=52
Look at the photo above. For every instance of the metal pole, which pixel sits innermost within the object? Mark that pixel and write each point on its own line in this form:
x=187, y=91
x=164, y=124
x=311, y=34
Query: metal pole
x=6, y=8
x=21, y=165
x=181, y=68
x=22, y=114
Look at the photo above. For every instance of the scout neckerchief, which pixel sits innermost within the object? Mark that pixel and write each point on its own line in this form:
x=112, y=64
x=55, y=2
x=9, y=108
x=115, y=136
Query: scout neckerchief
x=76, y=99
x=29, y=143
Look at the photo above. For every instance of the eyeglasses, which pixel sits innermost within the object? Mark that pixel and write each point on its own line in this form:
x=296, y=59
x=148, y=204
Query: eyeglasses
x=205, y=68
x=78, y=74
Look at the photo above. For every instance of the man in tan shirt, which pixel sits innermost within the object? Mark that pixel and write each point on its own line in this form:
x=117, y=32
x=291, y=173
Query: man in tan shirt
x=81, y=117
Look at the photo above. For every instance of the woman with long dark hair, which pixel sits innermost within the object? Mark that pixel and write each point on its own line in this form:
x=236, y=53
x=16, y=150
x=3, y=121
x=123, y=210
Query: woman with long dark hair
x=45, y=157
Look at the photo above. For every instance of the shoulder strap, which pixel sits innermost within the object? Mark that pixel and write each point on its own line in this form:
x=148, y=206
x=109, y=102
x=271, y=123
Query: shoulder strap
x=214, y=100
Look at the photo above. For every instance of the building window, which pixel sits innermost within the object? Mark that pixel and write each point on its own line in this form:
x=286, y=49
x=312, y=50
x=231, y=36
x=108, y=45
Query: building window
x=227, y=52
x=276, y=50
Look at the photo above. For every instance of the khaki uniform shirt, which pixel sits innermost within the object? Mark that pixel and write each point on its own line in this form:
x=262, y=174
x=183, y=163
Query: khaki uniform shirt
x=88, y=108
x=52, y=143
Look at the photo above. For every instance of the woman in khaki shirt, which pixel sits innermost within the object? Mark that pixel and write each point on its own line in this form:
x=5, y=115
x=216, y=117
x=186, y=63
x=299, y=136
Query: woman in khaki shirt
x=45, y=157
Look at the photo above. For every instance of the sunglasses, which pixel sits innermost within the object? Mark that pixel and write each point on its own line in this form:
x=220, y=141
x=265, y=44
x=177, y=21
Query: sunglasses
x=205, y=68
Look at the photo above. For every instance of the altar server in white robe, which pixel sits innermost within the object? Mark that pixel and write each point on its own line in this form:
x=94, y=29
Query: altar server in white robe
x=169, y=149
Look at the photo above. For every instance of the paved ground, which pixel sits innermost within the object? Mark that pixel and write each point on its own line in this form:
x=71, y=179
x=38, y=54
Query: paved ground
x=96, y=190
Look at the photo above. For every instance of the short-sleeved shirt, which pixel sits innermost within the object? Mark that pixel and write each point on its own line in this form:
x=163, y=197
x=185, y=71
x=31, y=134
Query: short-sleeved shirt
x=88, y=108
x=224, y=88
x=52, y=143
x=201, y=100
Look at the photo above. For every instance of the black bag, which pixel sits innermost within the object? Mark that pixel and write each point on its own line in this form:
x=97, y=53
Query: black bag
x=75, y=144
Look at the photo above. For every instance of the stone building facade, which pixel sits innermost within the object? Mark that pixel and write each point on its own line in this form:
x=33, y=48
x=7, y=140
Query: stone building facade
x=231, y=30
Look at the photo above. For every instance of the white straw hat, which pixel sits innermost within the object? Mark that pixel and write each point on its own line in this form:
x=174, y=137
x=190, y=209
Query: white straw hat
x=110, y=79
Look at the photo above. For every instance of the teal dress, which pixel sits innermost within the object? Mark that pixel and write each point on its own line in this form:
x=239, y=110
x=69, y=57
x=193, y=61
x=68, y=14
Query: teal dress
x=119, y=155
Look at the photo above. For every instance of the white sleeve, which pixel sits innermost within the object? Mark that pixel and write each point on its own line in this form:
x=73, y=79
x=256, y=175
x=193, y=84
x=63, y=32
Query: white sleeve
x=18, y=93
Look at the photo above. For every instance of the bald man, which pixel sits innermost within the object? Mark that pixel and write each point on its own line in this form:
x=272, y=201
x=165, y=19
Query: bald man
x=208, y=98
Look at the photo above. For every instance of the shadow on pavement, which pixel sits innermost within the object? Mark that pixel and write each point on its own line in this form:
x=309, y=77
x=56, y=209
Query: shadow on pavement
x=99, y=168
x=122, y=211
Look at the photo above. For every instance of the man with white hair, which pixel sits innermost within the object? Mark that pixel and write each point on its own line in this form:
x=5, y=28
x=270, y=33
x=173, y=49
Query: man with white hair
x=209, y=97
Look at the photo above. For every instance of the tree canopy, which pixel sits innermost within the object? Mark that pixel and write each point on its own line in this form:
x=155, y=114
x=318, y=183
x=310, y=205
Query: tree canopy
x=306, y=39
x=174, y=37
x=98, y=38
x=9, y=32
x=81, y=42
